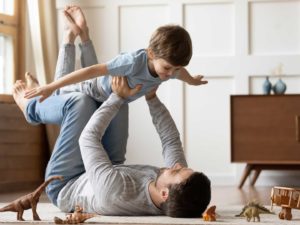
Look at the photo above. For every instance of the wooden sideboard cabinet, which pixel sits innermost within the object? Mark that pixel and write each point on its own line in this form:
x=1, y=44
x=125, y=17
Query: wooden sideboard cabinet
x=265, y=133
x=23, y=149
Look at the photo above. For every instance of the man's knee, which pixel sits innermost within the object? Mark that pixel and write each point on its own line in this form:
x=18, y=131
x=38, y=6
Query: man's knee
x=81, y=104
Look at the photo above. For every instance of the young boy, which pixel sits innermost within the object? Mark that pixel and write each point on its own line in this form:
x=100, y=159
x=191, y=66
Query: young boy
x=169, y=50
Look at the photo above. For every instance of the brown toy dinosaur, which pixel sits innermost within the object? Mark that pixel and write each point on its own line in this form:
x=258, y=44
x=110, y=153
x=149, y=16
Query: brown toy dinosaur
x=210, y=214
x=76, y=217
x=28, y=201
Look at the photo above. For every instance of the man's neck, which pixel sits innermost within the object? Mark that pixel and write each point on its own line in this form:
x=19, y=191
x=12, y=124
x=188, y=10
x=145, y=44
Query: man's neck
x=154, y=195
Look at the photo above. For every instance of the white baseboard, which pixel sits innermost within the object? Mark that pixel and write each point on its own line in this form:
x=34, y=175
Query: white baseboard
x=266, y=178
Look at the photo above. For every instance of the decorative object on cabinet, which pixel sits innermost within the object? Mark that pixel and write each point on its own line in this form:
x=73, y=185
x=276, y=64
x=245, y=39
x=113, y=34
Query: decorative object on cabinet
x=265, y=133
x=267, y=86
x=279, y=87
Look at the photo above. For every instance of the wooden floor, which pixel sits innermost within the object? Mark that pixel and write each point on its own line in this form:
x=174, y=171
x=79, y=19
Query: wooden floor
x=221, y=195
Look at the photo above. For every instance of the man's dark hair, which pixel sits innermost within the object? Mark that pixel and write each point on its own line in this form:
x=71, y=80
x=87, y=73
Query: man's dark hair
x=188, y=199
x=173, y=44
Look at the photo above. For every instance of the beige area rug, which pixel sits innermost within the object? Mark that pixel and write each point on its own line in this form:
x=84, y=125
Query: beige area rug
x=226, y=216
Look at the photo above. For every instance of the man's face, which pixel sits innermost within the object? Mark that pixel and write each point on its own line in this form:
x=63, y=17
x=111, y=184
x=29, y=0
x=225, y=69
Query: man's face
x=174, y=175
x=163, y=69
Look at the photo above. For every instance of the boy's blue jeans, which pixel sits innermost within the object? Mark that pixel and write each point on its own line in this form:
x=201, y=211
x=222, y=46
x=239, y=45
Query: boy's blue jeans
x=72, y=111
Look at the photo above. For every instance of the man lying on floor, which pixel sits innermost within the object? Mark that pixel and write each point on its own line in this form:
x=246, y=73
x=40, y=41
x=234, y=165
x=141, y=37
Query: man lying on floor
x=101, y=187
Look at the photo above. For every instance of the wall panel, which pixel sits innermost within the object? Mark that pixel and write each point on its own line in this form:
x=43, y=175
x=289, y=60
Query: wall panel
x=133, y=20
x=211, y=27
x=207, y=126
x=274, y=27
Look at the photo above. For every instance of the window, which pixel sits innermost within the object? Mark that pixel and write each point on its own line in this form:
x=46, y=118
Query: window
x=7, y=7
x=6, y=64
x=10, y=43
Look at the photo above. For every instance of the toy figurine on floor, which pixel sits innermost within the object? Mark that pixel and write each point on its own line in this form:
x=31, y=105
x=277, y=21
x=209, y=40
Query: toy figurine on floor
x=78, y=216
x=28, y=201
x=252, y=211
x=287, y=198
x=210, y=214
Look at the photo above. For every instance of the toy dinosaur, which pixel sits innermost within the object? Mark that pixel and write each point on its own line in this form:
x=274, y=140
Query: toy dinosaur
x=210, y=214
x=252, y=210
x=78, y=216
x=28, y=201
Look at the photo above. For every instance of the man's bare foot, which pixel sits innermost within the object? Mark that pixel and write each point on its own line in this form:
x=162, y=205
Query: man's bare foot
x=77, y=16
x=71, y=30
x=19, y=89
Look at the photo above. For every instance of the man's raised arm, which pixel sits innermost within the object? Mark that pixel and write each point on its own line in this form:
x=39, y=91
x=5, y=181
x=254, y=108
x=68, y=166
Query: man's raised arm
x=96, y=161
x=167, y=130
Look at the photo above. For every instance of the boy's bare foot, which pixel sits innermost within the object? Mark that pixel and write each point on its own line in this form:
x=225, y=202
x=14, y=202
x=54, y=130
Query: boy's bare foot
x=19, y=90
x=77, y=16
x=18, y=94
x=31, y=81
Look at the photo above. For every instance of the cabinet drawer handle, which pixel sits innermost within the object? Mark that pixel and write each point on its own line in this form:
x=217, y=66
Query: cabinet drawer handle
x=297, y=128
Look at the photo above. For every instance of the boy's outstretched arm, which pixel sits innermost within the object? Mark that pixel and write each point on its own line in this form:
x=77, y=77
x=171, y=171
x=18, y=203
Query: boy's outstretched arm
x=185, y=76
x=72, y=78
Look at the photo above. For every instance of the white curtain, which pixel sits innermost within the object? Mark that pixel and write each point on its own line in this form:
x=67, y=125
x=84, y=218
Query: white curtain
x=43, y=31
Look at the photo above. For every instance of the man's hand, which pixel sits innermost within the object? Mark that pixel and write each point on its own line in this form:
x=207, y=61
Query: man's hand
x=151, y=94
x=197, y=80
x=120, y=87
x=44, y=92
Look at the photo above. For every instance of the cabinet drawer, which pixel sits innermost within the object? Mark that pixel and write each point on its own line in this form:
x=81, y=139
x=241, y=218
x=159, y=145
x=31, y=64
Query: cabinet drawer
x=265, y=129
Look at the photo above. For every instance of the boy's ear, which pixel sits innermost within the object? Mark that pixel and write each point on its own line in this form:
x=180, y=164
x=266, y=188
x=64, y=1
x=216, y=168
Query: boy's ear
x=164, y=193
x=150, y=53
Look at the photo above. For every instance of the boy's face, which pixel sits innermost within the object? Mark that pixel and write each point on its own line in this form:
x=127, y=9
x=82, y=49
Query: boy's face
x=163, y=69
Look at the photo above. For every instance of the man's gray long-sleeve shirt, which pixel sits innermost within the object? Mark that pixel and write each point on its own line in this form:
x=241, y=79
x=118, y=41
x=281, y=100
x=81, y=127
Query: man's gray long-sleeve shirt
x=121, y=190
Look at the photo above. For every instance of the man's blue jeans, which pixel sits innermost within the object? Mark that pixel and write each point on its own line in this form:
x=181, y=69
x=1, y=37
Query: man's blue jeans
x=72, y=111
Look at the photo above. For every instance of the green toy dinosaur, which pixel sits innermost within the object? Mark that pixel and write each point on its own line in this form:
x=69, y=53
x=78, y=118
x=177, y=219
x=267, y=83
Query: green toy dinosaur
x=252, y=210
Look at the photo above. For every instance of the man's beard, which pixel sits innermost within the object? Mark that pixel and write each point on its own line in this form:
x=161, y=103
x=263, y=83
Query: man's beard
x=160, y=172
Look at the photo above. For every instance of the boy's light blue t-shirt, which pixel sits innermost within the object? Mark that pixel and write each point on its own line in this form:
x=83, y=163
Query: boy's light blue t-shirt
x=134, y=66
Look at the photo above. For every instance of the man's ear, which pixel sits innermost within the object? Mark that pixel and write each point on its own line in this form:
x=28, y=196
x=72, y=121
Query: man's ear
x=164, y=193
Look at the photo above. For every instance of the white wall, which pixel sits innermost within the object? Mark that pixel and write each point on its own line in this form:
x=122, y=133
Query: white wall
x=236, y=44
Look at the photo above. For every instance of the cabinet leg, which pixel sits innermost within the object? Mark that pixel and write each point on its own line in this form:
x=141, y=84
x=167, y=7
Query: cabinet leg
x=246, y=173
x=256, y=174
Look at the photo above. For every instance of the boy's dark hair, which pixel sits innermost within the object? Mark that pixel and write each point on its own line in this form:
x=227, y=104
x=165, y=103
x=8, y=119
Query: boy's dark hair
x=173, y=44
x=188, y=199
